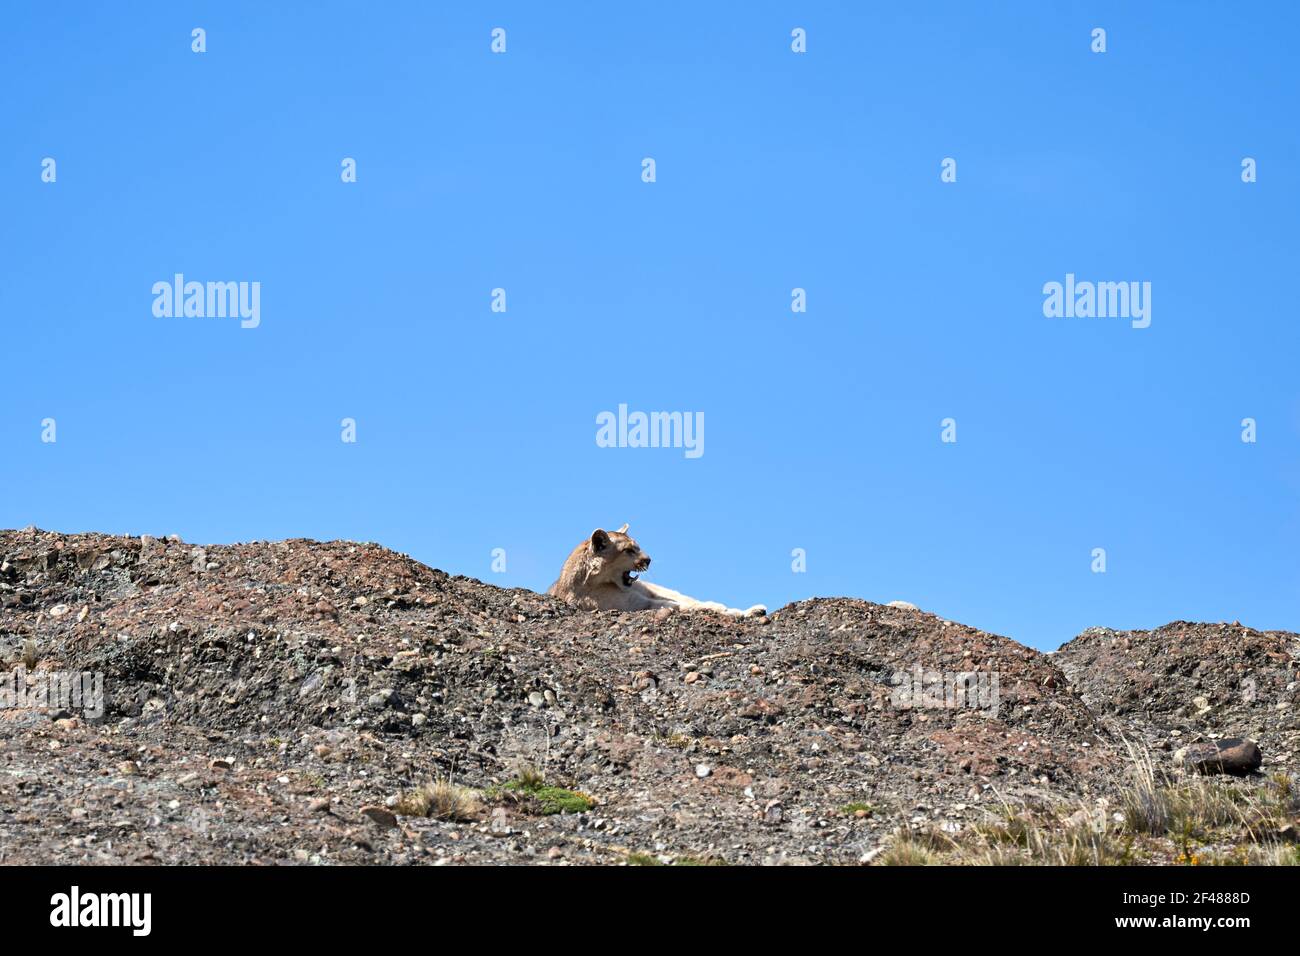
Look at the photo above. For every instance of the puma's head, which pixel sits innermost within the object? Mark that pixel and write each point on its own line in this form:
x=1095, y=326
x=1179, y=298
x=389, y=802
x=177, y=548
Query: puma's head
x=615, y=557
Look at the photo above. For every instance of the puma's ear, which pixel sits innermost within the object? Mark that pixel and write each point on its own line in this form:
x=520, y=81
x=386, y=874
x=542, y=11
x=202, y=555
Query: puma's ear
x=599, y=540
x=623, y=530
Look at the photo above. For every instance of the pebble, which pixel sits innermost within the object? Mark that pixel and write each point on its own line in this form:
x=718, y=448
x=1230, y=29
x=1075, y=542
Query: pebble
x=381, y=699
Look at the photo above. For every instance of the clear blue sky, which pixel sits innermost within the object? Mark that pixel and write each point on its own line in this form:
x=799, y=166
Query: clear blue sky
x=476, y=430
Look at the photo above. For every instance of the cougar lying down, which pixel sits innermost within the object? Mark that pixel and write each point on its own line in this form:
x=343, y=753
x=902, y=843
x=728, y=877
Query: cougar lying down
x=601, y=573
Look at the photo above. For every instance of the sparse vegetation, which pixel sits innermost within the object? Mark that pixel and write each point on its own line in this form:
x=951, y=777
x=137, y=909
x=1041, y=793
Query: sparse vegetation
x=1162, y=817
x=1024, y=840
x=915, y=848
x=530, y=790
x=1013, y=838
x=1192, y=809
x=441, y=800
x=854, y=809
x=559, y=800
x=529, y=778
x=1145, y=805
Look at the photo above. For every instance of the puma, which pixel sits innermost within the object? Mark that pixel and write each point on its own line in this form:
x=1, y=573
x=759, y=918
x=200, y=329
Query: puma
x=602, y=573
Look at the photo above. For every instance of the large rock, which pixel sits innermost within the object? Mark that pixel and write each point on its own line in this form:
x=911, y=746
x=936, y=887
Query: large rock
x=1234, y=755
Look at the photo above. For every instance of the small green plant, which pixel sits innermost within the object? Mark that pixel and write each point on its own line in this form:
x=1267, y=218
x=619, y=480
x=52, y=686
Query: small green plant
x=642, y=859
x=558, y=800
x=853, y=809
x=530, y=788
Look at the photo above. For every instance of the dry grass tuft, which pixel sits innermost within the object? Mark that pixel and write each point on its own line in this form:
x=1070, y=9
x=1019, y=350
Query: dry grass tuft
x=530, y=778
x=925, y=847
x=441, y=800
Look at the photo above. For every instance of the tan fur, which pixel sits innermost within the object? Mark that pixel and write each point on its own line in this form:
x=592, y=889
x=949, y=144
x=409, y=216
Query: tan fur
x=597, y=575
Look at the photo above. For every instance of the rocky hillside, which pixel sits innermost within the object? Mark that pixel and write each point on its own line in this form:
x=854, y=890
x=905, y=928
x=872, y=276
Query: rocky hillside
x=293, y=701
x=1184, y=683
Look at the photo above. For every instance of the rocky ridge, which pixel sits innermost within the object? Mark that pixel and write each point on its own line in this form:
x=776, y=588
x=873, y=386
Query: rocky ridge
x=270, y=702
